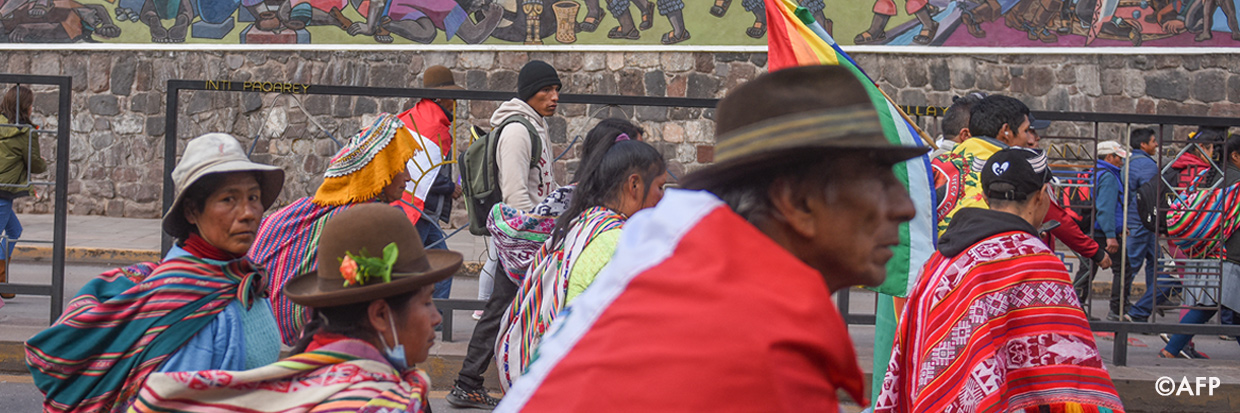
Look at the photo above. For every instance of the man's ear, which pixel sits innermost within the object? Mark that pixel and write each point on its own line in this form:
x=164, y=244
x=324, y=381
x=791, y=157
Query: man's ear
x=963, y=135
x=1005, y=128
x=792, y=207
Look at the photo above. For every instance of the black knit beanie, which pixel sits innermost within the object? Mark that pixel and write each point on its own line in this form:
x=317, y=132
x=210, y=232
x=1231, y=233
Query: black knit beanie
x=536, y=75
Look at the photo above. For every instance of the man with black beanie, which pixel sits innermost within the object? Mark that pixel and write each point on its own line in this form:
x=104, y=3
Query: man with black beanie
x=525, y=179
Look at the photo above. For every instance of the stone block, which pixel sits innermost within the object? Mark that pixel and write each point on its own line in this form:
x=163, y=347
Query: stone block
x=704, y=62
x=567, y=62
x=477, y=60
x=75, y=66
x=758, y=59
x=593, y=62
x=940, y=76
x=557, y=130
x=1038, y=80
x=1167, y=84
x=204, y=30
x=155, y=126
x=893, y=74
x=911, y=97
x=731, y=57
x=1209, y=85
x=678, y=86
x=615, y=61
x=199, y=102
x=1233, y=88
x=1088, y=78
x=962, y=73
x=388, y=75
x=1111, y=82
x=683, y=114
x=103, y=105
x=128, y=124
x=100, y=72
x=677, y=62
x=740, y=73
x=476, y=80
x=505, y=80
x=46, y=64
x=916, y=75
x=652, y=113
x=317, y=104
x=251, y=102
x=342, y=106
x=631, y=82
x=702, y=86
x=1057, y=99
x=656, y=83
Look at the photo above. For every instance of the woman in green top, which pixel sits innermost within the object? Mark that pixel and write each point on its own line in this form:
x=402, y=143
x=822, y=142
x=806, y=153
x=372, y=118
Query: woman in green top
x=19, y=158
x=616, y=180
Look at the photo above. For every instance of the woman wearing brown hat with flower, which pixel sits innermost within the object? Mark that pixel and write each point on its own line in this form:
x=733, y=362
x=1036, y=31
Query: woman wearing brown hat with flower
x=203, y=307
x=374, y=320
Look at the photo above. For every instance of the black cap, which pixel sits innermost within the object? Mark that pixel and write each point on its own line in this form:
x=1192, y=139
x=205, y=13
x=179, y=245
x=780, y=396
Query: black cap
x=534, y=76
x=1036, y=124
x=1015, y=173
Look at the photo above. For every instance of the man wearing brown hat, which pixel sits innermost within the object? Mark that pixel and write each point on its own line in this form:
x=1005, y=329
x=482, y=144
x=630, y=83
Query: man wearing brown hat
x=719, y=298
x=432, y=118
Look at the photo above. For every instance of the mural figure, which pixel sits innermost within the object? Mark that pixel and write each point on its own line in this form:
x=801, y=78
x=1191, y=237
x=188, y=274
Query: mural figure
x=885, y=9
x=594, y=14
x=976, y=12
x=1229, y=10
x=54, y=21
x=153, y=12
x=626, y=29
x=758, y=8
x=421, y=20
x=1034, y=17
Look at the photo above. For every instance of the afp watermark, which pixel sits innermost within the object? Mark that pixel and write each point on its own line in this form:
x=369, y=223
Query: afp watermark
x=1200, y=386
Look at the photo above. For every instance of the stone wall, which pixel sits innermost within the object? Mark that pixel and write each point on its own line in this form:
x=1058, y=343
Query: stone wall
x=119, y=101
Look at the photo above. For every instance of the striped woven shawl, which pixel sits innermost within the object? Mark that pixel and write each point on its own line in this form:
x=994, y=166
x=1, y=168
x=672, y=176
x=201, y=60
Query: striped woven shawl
x=344, y=376
x=542, y=293
x=286, y=245
x=125, y=323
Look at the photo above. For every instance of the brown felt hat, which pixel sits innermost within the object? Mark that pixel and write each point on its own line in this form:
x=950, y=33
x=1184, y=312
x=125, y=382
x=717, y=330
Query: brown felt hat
x=370, y=227
x=439, y=77
x=799, y=113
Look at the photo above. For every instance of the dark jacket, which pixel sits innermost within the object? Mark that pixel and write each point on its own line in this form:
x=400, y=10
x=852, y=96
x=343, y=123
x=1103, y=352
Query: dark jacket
x=16, y=148
x=1141, y=169
x=439, y=197
x=971, y=225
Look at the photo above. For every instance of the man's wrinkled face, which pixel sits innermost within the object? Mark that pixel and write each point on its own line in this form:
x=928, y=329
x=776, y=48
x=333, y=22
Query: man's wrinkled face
x=857, y=220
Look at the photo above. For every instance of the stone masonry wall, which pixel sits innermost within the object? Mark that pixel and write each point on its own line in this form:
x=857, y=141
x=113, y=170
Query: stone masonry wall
x=119, y=101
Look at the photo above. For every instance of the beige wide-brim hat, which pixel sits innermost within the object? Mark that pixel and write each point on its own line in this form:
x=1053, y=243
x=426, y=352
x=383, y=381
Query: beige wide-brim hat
x=795, y=115
x=366, y=230
x=215, y=153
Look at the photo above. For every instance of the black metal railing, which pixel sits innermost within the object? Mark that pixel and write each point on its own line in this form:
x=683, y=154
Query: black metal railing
x=55, y=290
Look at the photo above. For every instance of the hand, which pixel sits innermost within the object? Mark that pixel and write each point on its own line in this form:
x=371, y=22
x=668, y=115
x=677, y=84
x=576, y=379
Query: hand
x=1174, y=26
x=1112, y=245
x=456, y=193
x=1105, y=263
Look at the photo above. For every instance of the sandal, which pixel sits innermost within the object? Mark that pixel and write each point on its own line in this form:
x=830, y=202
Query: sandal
x=670, y=37
x=867, y=38
x=647, y=17
x=927, y=34
x=589, y=24
x=720, y=8
x=757, y=31
x=972, y=26
x=632, y=34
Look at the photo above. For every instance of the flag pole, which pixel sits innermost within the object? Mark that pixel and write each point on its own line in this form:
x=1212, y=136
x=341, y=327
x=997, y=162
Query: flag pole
x=924, y=137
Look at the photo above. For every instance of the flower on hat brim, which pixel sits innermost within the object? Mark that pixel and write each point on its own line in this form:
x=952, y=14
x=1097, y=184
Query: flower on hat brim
x=359, y=269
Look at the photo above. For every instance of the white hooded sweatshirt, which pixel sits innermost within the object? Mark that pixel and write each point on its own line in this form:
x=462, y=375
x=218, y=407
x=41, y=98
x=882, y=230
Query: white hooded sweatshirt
x=523, y=187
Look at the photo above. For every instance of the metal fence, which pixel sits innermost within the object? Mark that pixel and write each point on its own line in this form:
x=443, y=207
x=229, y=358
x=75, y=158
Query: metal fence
x=56, y=289
x=1075, y=151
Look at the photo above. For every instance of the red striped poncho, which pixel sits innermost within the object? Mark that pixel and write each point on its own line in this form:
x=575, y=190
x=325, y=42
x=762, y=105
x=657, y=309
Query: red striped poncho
x=996, y=328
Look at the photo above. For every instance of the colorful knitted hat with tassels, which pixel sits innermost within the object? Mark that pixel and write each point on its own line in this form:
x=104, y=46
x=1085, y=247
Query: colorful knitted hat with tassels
x=360, y=171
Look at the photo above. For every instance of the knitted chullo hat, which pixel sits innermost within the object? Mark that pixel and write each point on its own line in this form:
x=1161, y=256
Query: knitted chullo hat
x=534, y=76
x=360, y=171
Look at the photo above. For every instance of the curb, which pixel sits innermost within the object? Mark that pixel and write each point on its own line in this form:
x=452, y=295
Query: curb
x=86, y=255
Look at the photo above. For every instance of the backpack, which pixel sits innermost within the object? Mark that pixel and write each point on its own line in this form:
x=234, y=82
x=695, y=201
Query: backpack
x=1149, y=202
x=480, y=172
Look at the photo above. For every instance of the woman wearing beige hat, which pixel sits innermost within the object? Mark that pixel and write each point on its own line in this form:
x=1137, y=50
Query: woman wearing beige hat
x=203, y=307
x=374, y=319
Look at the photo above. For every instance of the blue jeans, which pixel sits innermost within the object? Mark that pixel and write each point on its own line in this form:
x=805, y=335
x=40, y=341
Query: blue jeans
x=12, y=228
x=1178, y=341
x=431, y=233
x=1143, y=249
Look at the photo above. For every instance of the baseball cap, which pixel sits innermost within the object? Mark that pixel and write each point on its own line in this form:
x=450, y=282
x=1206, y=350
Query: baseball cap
x=1111, y=147
x=1015, y=173
x=1037, y=124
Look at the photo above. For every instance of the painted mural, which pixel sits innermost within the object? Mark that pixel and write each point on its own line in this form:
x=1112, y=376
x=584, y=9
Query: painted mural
x=978, y=23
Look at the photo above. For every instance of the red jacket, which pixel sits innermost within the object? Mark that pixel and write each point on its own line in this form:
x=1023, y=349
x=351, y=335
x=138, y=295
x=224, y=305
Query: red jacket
x=1070, y=233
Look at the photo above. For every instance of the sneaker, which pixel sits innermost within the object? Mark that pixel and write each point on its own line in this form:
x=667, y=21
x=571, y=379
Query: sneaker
x=477, y=399
x=477, y=315
x=1191, y=352
x=1117, y=317
x=1227, y=338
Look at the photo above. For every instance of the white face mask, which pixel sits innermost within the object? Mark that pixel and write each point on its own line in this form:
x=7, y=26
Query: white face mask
x=396, y=354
